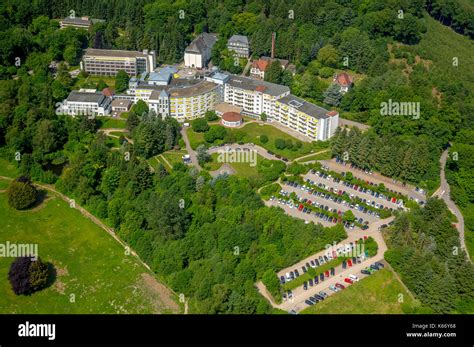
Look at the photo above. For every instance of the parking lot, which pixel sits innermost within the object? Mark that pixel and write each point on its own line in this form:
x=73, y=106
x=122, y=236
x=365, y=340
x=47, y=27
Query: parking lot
x=328, y=287
x=366, y=195
x=299, y=295
x=330, y=203
x=404, y=189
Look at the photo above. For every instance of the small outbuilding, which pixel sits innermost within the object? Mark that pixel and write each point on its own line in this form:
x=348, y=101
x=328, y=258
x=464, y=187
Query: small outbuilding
x=232, y=119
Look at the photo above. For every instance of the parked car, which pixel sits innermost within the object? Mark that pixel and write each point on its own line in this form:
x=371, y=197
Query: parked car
x=365, y=272
x=334, y=288
x=354, y=278
x=323, y=294
x=321, y=277
x=340, y=286
x=348, y=280
x=305, y=285
x=307, y=302
x=282, y=280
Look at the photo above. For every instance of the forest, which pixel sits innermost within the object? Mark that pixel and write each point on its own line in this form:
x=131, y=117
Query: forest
x=215, y=247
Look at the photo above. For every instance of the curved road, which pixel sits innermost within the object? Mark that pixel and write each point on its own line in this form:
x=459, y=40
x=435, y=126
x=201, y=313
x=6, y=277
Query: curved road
x=443, y=192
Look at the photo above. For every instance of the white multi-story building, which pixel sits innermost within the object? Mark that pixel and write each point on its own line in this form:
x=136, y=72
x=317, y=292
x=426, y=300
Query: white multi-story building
x=86, y=103
x=257, y=97
x=185, y=103
x=107, y=62
x=239, y=44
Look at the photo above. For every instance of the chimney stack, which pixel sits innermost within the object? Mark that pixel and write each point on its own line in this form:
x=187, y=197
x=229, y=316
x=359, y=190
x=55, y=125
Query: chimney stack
x=273, y=45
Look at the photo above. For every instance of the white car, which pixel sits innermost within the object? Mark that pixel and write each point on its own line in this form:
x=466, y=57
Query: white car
x=354, y=278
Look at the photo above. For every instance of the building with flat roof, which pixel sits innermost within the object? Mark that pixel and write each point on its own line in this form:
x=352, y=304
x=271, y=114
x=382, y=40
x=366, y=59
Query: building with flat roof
x=107, y=62
x=198, y=53
x=76, y=22
x=254, y=96
x=86, y=103
x=121, y=105
x=306, y=118
x=239, y=44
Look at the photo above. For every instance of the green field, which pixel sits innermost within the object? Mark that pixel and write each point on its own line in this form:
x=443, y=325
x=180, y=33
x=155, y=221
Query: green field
x=109, y=122
x=252, y=132
x=380, y=293
x=91, y=81
x=241, y=169
x=7, y=169
x=174, y=157
x=90, y=265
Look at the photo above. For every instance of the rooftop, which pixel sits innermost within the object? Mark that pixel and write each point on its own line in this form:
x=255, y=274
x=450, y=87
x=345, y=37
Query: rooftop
x=232, y=117
x=306, y=107
x=202, y=42
x=76, y=96
x=121, y=103
x=239, y=39
x=343, y=79
x=113, y=53
x=77, y=20
x=257, y=85
x=186, y=90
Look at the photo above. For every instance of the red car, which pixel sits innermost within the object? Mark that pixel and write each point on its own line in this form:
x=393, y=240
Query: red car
x=340, y=286
x=349, y=262
x=348, y=280
x=300, y=208
x=326, y=273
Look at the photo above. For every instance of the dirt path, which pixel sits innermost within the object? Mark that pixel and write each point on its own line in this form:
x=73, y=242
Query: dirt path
x=166, y=161
x=98, y=222
x=191, y=152
x=310, y=155
x=444, y=192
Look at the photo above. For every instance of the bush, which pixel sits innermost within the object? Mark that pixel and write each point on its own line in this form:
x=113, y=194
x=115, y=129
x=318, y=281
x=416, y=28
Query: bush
x=21, y=193
x=280, y=144
x=263, y=139
x=200, y=125
x=211, y=116
x=272, y=283
x=27, y=276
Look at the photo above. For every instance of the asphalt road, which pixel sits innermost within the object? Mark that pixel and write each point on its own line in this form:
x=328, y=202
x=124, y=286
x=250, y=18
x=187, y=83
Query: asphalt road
x=444, y=192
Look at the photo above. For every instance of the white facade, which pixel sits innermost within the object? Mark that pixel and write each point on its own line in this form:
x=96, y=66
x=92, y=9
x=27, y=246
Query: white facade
x=193, y=60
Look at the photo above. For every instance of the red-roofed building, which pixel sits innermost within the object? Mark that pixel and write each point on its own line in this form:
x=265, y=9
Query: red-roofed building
x=258, y=68
x=344, y=81
x=108, y=92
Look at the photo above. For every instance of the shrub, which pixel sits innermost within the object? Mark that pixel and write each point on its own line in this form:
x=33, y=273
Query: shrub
x=280, y=144
x=200, y=125
x=21, y=193
x=27, y=276
x=211, y=116
x=263, y=139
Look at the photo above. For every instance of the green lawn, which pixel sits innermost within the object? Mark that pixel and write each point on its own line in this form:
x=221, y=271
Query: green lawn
x=109, y=122
x=379, y=293
x=118, y=133
x=91, y=81
x=252, y=132
x=174, y=157
x=242, y=169
x=89, y=264
x=320, y=156
x=8, y=169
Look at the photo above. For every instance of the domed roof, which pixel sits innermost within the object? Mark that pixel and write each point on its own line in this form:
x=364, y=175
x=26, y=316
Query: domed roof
x=232, y=117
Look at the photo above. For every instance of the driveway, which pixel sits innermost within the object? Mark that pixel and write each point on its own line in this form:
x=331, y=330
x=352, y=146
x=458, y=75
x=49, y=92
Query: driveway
x=444, y=192
x=300, y=295
x=191, y=152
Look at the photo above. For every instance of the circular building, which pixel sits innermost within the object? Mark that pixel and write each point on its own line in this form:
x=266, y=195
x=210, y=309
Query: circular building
x=232, y=119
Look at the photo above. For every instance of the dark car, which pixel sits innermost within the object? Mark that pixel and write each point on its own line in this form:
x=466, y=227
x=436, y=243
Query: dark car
x=292, y=275
x=308, y=302
x=374, y=267
x=316, y=261
x=316, y=279
x=321, y=277
x=319, y=297
x=305, y=285
x=333, y=271
x=297, y=274
x=282, y=279
x=379, y=264
x=304, y=269
x=365, y=272
x=310, y=282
